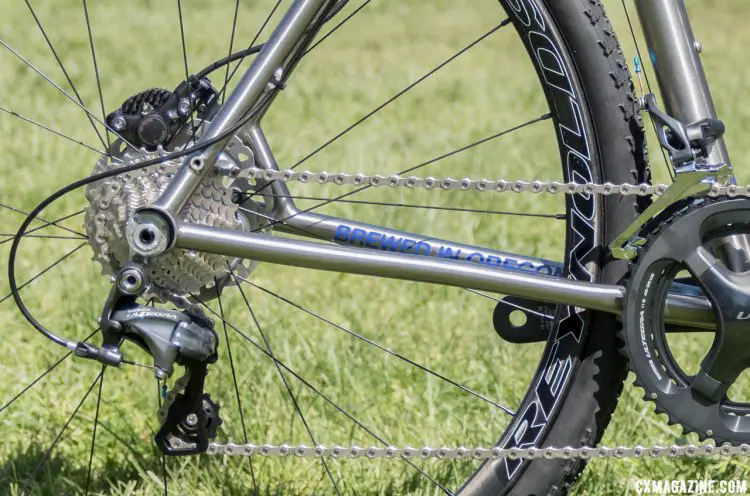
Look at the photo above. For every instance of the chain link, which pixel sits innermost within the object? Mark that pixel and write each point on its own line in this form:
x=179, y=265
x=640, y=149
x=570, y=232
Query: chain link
x=449, y=453
x=463, y=453
x=179, y=386
x=481, y=185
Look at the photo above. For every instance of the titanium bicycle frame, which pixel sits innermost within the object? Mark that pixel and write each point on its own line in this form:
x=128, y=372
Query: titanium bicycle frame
x=675, y=56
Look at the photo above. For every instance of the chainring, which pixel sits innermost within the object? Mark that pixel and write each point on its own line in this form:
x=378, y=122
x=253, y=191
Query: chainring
x=671, y=244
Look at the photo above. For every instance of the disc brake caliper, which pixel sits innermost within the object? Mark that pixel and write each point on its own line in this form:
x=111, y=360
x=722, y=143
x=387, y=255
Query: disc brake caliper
x=153, y=117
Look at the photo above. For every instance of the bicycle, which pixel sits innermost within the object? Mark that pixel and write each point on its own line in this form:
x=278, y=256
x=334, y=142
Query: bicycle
x=187, y=200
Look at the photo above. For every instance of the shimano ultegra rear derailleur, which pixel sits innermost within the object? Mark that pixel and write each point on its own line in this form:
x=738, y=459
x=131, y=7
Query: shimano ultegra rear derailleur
x=189, y=418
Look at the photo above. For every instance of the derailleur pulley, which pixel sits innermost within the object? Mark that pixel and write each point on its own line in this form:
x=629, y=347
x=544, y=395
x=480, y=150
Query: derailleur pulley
x=192, y=418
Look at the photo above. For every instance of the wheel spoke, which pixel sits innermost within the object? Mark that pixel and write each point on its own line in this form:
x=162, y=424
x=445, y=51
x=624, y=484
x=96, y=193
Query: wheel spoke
x=184, y=57
x=42, y=375
x=96, y=69
x=231, y=46
x=65, y=93
x=236, y=386
x=64, y=71
x=337, y=26
x=317, y=392
x=53, y=131
x=41, y=273
x=28, y=234
x=46, y=223
x=411, y=169
x=379, y=346
x=182, y=39
x=252, y=43
x=130, y=442
x=93, y=434
x=399, y=94
x=62, y=431
x=283, y=378
x=6, y=235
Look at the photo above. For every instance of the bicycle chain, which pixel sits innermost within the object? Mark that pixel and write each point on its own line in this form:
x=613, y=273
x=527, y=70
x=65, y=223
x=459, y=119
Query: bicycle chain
x=449, y=453
x=179, y=386
x=463, y=453
x=481, y=185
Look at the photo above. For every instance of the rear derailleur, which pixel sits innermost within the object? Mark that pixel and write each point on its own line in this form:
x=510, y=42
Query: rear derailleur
x=189, y=418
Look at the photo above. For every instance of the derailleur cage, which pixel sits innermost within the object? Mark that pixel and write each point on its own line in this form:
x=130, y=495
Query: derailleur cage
x=192, y=418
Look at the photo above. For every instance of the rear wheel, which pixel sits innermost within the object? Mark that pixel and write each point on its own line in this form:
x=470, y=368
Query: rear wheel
x=592, y=128
x=579, y=37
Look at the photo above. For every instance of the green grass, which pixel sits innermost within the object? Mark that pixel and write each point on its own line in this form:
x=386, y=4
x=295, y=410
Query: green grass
x=390, y=44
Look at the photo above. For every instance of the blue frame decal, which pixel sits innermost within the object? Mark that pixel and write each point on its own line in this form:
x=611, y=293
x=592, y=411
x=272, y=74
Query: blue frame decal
x=377, y=240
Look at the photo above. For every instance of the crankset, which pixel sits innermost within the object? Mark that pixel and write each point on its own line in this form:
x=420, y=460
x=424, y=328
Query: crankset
x=707, y=240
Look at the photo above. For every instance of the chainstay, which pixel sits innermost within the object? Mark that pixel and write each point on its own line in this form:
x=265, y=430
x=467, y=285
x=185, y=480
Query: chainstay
x=480, y=185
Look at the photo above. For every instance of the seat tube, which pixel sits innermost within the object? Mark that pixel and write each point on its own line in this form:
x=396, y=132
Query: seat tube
x=675, y=56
